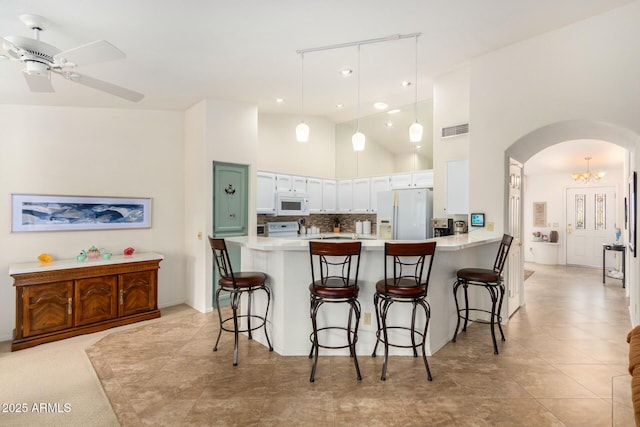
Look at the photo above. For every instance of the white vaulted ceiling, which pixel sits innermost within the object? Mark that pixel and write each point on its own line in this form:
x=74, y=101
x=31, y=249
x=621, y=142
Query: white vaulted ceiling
x=180, y=52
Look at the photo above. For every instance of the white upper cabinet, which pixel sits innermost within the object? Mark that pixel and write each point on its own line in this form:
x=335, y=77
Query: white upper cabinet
x=419, y=179
x=329, y=195
x=401, y=181
x=458, y=187
x=266, y=191
x=345, y=195
x=291, y=183
x=358, y=195
x=361, y=189
x=299, y=184
x=314, y=193
x=377, y=184
x=423, y=179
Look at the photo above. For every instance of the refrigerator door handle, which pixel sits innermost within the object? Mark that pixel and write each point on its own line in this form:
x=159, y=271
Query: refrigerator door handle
x=395, y=221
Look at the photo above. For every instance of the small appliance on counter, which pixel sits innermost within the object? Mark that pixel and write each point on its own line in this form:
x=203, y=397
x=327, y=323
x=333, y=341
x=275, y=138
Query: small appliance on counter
x=459, y=227
x=281, y=229
x=442, y=227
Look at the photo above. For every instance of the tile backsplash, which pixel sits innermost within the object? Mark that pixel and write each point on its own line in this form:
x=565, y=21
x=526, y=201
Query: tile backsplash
x=325, y=221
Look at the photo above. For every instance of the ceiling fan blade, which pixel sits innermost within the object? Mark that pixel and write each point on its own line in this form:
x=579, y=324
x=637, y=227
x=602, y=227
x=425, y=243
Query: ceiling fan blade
x=6, y=45
x=39, y=83
x=101, y=85
x=91, y=53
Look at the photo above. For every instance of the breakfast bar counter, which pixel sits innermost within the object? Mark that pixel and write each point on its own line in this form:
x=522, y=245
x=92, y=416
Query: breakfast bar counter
x=286, y=263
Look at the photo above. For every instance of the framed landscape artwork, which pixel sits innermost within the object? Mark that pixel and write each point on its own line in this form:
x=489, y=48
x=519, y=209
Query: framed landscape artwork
x=31, y=212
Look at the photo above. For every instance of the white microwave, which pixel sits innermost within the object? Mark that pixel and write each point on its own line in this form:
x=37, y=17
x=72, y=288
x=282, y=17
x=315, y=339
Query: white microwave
x=291, y=204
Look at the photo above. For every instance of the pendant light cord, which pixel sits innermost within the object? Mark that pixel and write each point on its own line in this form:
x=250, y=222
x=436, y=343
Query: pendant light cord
x=358, y=94
x=302, y=85
x=415, y=104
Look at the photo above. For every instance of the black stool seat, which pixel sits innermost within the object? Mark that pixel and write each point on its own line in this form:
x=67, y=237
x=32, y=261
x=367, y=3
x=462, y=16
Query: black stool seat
x=338, y=283
x=402, y=288
x=407, y=267
x=478, y=275
x=236, y=284
x=245, y=279
x=492, y=281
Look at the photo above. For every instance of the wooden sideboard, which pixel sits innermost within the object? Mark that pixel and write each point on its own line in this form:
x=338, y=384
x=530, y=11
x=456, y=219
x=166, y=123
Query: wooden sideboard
x=66, y=298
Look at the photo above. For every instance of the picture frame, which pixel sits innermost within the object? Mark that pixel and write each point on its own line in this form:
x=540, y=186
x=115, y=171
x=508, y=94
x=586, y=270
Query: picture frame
x=35, y=212
x=539, y=214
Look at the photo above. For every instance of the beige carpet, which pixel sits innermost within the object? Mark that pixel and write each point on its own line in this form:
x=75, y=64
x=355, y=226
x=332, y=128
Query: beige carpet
x=56, y=382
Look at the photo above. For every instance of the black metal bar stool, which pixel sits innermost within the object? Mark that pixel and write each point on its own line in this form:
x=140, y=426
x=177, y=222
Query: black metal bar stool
x=408, y=283
x=334, y=280
x=237, y=284
x=493, y=282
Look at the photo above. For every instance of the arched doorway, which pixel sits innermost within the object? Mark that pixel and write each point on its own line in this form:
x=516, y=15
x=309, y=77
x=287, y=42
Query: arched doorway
x=530, y=144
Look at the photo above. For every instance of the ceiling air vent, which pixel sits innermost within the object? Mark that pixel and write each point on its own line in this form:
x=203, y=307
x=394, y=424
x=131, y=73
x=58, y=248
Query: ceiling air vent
x=450, y=131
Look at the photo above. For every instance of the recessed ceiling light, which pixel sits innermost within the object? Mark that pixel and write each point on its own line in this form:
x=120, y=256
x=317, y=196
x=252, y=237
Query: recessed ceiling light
x=339, y=105
x=394, y=111
x=346, y=72
x=380, y=105
x=389, y=124
x=279, y=100
x=406, y=83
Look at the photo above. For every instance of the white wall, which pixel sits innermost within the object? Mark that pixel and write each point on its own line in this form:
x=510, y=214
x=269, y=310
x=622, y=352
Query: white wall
x=98, y=152
x=220, y=131
x=278, y=150
x=552, y=189
x=586, y=72
x=450, y=108
x=374, y=160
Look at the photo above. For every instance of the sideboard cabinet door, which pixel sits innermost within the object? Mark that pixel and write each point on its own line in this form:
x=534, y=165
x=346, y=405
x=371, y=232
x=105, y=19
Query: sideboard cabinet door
x=137, y=292
x=96, y=299
x=47, y=308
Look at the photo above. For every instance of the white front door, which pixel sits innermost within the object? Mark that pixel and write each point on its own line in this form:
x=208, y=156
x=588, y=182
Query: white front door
x=515, y=266
x=591, y=213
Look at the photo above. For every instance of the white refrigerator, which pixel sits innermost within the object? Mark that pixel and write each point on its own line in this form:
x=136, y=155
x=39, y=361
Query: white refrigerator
x=405, y=214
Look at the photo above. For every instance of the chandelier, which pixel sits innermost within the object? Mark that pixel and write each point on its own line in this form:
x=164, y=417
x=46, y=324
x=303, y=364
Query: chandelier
x=587, y=176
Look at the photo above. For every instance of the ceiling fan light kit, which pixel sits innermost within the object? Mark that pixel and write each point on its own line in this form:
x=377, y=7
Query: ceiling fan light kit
x=40, y=59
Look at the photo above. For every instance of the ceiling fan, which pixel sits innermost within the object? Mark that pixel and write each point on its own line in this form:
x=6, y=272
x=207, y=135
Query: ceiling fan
x=40, y=59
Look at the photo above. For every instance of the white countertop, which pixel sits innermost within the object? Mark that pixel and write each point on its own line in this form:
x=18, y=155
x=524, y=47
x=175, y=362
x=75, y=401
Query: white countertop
x=369, y=242
x=37, y=266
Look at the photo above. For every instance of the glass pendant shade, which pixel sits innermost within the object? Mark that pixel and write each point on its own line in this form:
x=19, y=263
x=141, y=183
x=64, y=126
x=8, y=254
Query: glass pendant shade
x=302, y=132
x=415, y=132
x=588, y=176
x=358, y=141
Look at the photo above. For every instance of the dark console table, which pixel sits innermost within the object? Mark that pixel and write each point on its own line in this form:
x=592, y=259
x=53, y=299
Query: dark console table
x=613, y=247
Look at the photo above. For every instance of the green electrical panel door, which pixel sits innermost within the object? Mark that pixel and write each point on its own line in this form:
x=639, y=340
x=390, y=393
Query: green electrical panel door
x=230, y=199
x=230, y=211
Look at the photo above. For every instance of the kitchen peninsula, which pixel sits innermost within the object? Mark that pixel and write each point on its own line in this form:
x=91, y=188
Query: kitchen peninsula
x=286, y=263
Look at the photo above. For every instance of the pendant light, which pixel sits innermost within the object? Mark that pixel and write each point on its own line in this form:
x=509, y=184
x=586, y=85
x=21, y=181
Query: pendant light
x=358, y=139
x=588, y=176
x=415, y=130
x=302, y=130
